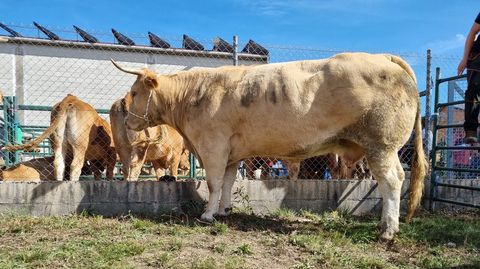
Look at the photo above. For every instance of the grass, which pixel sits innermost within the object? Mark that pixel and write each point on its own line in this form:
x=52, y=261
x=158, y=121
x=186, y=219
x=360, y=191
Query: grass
x=286, y=239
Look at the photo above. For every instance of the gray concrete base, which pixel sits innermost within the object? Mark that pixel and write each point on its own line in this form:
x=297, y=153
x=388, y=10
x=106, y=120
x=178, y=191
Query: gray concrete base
x=148, y=197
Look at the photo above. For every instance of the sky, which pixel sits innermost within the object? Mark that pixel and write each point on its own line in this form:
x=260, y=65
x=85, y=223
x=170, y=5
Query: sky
x=360, y=25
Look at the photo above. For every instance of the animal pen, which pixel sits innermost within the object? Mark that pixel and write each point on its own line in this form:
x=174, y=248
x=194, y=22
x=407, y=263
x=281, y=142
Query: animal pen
x=39, y=68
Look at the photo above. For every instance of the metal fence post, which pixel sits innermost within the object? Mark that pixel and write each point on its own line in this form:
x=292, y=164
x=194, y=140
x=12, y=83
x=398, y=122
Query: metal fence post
x=193, y=166
x=6, y=128
x=235, y=48
x=10, y=127
x=16, y=131
x=433, y=178
x=428, y=95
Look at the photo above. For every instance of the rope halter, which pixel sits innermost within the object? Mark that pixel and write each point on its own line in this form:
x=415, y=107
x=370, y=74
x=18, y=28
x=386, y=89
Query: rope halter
x=145, y=115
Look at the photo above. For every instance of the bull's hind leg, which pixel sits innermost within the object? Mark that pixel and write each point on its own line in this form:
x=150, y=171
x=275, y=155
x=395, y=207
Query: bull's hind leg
x=228, y=180
x=387, y=170
x=77, y=162
x=60, y=148
x=59, y=162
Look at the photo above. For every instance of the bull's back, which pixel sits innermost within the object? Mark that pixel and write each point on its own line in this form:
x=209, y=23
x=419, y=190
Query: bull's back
x=288, y=108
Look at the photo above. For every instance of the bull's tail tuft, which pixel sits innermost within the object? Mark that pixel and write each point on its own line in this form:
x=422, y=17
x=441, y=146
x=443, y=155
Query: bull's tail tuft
x=419, y=169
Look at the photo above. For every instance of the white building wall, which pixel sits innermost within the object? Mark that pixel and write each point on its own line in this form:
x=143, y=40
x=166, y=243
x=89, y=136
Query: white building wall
x=44, y=75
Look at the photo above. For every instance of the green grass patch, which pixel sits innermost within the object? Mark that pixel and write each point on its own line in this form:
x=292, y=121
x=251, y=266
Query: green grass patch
x=244, y=249
x=218, y=228
x=441, y=231
x=208, y=263
x=219, y=248
x=285, y=214
x=285, y=240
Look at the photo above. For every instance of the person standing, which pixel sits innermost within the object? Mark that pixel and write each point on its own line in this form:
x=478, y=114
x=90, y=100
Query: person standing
x=471, y=61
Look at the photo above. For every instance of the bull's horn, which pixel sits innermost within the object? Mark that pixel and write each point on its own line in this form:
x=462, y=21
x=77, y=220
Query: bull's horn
x=127, y=70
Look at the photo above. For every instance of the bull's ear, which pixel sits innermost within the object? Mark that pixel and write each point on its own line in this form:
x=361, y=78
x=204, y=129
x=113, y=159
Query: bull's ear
x=150, y=81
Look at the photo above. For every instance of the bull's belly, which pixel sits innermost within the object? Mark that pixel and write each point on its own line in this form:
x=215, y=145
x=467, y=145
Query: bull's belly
x=287, y=144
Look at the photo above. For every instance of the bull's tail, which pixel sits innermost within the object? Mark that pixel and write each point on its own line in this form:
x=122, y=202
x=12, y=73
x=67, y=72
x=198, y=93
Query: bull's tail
x=60, y=113
x=419, y=169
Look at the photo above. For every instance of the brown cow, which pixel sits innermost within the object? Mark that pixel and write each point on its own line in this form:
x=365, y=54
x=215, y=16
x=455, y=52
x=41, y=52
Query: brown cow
x=161, y=145
x=352, y=104
x=40, y=169
x=35, y=170
x=76, y=131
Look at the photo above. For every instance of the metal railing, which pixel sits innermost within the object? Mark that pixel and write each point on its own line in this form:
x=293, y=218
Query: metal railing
x=436, y=168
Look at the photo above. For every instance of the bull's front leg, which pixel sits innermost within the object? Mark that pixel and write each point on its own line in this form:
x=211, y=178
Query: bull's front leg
x=159, y=168
x=228, y=180
x=215, y=182
x=137, y=159
x=214, y=162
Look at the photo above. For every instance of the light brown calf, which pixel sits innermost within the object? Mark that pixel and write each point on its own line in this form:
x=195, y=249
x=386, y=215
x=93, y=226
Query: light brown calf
x=161, y=145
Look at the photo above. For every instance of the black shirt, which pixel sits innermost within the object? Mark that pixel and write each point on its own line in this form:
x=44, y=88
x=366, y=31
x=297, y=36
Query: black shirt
x=476, y=44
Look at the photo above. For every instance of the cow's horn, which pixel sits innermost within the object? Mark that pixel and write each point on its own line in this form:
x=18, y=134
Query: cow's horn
x=127, y=70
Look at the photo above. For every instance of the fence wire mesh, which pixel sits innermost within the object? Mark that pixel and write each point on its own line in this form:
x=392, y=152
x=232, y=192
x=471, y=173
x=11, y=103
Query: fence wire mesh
x=40, y=66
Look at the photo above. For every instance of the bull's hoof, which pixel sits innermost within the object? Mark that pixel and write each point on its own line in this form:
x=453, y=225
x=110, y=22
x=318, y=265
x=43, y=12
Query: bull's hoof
x=167, y=178
x=387, y=234
x=207, y=217
x=382, y=226
x=225, y=212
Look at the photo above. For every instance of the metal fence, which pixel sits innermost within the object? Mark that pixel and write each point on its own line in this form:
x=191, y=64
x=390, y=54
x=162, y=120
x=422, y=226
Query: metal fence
x=39, y=67
x=455, y=165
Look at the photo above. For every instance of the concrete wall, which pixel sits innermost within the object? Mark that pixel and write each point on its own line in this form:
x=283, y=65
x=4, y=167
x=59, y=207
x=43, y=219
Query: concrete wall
x=151, y=197
x=116, y=198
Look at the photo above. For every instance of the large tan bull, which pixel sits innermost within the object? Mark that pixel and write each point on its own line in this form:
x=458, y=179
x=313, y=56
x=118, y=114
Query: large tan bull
x=79, y=134
x=161, y=145
x=352, y=104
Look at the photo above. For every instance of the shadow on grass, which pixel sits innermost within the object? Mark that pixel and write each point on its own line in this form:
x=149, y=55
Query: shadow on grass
x=432, y=230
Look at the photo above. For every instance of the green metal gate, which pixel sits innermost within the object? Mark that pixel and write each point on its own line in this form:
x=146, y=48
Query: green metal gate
x=441, y=168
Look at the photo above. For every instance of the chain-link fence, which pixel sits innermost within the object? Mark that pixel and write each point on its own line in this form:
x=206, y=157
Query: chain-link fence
x=39, y=66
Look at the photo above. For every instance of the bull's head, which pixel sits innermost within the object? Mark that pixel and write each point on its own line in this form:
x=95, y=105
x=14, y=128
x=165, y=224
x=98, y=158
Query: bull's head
x=141, y=98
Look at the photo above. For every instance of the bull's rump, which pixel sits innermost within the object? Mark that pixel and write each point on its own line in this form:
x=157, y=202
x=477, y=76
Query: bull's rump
x=299, y=109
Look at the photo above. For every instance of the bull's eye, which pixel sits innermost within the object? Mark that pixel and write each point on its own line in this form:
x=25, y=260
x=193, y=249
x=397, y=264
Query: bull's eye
x=133, y=94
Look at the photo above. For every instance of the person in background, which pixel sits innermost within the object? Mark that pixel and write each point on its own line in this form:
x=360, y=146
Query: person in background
x=427, y=137
x=471, y=61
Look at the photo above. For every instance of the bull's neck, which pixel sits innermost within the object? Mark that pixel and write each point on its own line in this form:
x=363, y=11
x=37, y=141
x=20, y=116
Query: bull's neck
x=174, y=92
